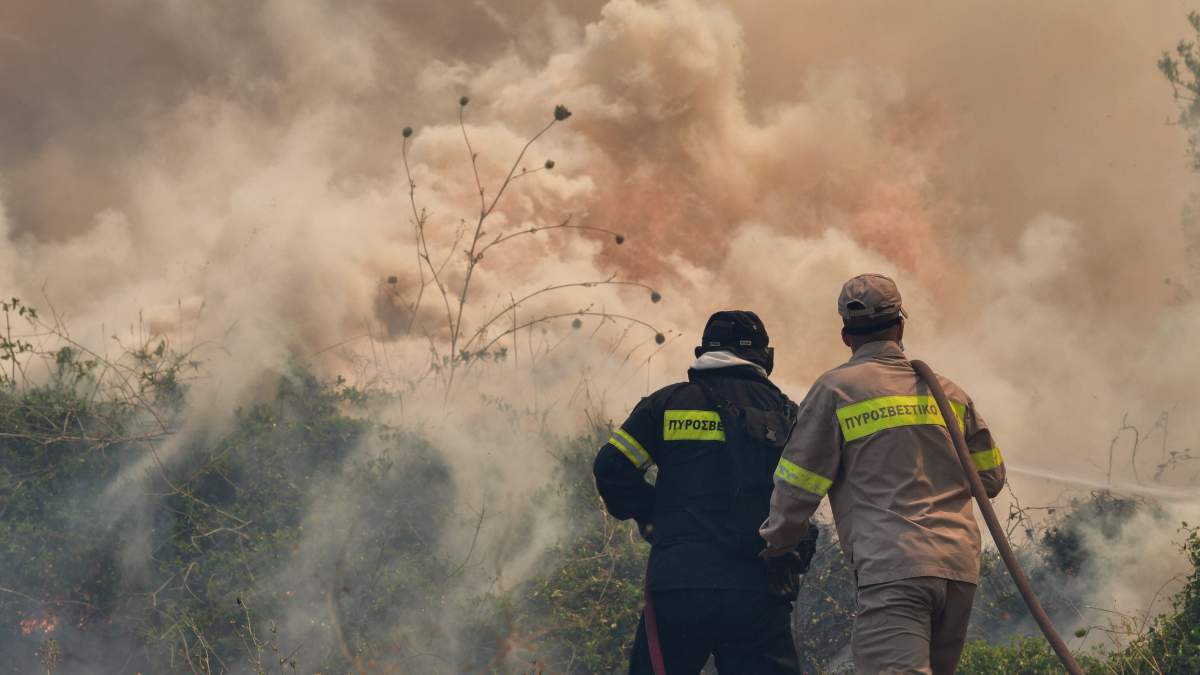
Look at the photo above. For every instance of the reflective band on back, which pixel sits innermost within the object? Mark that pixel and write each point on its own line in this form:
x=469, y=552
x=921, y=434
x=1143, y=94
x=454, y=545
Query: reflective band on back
x=802, y=478
x=692, y=425
x=988, y=459
x=859, y=420
x=632, y=450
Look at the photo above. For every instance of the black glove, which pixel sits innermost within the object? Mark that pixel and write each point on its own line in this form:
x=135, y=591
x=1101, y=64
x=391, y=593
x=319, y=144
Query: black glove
x=784, y=571
x=807, y=548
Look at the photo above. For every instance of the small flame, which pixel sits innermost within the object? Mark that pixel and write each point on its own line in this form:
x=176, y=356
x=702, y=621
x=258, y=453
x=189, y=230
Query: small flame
x=46, y=624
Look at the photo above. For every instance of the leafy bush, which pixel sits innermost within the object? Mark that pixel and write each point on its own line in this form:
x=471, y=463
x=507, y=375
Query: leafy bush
x=584, y=607
x=219, y=532
x=1172, y=644
x=1026, y=655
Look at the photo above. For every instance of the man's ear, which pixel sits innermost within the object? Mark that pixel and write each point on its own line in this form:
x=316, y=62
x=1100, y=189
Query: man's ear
x=846, y=338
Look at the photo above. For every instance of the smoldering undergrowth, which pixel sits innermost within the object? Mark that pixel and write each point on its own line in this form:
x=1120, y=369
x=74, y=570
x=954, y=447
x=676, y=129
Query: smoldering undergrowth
x=307, y=537
x=315, y=536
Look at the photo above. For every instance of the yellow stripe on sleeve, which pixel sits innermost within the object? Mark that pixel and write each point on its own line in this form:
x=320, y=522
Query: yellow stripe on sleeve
x=802, y=478
x=987, y=460
x=628, y=445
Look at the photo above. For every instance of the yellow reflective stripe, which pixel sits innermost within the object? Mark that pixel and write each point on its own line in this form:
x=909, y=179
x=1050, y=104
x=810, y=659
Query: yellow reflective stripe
x=986, y=460
x=629, y=447
x=693, y=425
x=802, y=478
x=960, y=412
x=859, y=420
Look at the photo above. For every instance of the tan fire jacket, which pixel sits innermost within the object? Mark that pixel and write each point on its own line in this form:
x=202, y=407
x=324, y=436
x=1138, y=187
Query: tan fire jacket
x=870, y=435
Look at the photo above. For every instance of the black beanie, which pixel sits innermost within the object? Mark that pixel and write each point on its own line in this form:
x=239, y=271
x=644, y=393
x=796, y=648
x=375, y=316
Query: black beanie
x=734, y=330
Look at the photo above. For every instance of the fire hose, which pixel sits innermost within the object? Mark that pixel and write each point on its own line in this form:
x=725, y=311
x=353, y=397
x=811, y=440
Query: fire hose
x=653, y=644
x=993, y=523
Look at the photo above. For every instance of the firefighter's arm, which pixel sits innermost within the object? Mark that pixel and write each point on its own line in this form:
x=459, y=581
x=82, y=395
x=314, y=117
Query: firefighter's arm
x=620, y=468
x=806, y=470
x=985, y=454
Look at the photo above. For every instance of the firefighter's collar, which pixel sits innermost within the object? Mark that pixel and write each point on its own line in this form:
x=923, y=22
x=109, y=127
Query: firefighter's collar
x=878, y=348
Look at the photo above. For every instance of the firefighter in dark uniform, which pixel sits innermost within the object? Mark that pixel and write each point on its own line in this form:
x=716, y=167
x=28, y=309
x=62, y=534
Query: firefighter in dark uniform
x=715, y=440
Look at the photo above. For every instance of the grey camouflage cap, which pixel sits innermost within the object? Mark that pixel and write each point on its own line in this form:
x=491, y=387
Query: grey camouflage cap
x=868, y=300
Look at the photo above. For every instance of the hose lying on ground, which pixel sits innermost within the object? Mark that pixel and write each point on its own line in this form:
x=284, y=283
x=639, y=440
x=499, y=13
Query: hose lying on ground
x=993, y=523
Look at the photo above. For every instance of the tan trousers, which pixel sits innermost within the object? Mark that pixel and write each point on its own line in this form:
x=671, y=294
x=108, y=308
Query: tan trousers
x=915, y=625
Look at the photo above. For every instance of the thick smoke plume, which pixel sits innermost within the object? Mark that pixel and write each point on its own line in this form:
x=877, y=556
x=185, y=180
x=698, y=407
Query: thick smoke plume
x=230, y=174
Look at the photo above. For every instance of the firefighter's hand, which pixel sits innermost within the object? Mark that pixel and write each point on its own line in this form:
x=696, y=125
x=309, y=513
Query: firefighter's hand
x=647, y=532
x=807, y=547
x=773, y=552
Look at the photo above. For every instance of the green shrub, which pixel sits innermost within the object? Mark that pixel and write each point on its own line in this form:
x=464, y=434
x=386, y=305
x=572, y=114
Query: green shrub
x=1172, y=644
x=1025, y=656
x=584, y=606
x=219, y=533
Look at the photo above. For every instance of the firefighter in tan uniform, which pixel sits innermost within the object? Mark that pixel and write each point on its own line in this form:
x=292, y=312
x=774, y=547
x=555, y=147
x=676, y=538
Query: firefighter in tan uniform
x=869, y=435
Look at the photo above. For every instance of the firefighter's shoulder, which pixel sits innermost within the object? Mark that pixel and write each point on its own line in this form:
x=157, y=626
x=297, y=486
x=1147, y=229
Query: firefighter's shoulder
x=953, y=391
x=838, y=380
x=672, y=395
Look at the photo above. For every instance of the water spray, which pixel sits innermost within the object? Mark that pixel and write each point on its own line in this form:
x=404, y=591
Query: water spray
x=993, y=523
x=1155, y=492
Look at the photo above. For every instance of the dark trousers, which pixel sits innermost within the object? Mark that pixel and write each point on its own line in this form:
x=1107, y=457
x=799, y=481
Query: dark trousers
x=746, y=632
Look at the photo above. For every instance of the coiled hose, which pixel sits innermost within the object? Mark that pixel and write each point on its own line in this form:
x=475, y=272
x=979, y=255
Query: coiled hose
x=993, y=523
